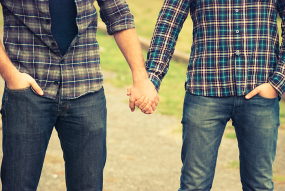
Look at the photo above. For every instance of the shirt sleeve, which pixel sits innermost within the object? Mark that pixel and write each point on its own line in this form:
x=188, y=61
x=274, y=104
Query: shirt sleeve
x=169, y=24
x=116, y=15
x=277, y=80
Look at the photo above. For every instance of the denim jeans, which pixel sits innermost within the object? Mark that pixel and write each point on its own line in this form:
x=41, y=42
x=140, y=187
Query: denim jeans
x=28, y=121
x=256, y=124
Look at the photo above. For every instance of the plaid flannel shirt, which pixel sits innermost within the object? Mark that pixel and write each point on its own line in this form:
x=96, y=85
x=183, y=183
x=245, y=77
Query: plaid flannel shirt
x=33, y=50
x=235, y=45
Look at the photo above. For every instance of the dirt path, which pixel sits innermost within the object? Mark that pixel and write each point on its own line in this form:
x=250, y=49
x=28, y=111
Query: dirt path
x=144, y=153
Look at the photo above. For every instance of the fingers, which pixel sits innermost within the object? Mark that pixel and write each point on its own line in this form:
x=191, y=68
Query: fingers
x=150, y=111
x=156, y=102
x=36, y=87
x=252, y=93
x=144, y=105
x=147, y=109
x=129, y=91
x=139, y=101
x=153, y=106
x=132, y=104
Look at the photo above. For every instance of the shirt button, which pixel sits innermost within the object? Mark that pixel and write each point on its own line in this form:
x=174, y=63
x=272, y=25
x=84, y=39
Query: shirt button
x=236, y=10
x=237, y=31
x=62, y=61
x=47, y=21
x=237, y=53
x=53, y=44
x=55, y=82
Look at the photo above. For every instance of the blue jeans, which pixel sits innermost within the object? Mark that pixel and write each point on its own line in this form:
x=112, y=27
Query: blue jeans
x=28, y=121
x=256, y=124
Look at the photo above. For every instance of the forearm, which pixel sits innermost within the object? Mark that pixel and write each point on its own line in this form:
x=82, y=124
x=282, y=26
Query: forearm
x=7, y=69
x=129, y=45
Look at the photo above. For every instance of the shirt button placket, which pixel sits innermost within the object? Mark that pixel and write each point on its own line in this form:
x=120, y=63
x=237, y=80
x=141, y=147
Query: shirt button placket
x=237, y=52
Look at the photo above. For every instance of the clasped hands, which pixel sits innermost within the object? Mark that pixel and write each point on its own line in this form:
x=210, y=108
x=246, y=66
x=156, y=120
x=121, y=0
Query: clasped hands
x=144, y=96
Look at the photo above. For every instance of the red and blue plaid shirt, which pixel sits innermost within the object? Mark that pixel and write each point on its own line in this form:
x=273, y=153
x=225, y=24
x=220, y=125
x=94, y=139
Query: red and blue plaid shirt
x=32, y=49
x=235, y=45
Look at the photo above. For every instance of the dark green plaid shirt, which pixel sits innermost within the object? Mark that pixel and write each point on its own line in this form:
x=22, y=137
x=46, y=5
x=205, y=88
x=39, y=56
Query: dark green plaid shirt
x=235, y=45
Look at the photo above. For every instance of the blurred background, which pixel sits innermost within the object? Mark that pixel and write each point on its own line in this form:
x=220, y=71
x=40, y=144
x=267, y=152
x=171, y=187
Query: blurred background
x=144, y=150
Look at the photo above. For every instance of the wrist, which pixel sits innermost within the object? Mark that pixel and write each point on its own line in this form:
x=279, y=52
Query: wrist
x=139, y=77
x=11, y=76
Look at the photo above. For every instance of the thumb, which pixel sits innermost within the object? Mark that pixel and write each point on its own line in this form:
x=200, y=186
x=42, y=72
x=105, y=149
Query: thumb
x=252, y=93
x=36, y=88
x=132, y=104
x=129, y=91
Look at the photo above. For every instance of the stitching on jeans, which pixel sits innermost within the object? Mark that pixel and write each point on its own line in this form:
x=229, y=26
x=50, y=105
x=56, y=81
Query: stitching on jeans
x=18, y=90
x=213, y=172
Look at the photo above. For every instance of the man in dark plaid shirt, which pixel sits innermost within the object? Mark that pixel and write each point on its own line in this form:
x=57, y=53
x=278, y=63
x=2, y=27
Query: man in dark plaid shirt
x=235, y=71
x=53, y=78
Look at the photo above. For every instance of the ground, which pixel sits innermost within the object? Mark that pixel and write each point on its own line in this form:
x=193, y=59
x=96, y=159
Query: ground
x=144, y=153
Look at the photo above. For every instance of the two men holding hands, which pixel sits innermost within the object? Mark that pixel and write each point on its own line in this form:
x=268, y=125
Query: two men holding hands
x=51, y=66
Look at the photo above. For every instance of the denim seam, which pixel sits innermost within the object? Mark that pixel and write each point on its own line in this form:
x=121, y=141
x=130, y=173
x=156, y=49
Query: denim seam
x=4, y=103
x=18, y=90
x=213, y=172
x=238, y=135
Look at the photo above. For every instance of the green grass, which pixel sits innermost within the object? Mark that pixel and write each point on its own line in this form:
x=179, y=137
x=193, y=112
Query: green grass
x=234, y=164
x=279, y=178
x=231, y=135
x=282, y=112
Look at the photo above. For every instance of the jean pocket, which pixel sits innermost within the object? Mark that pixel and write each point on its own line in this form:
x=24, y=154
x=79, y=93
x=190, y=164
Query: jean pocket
x=18, y=90
x=259, y=96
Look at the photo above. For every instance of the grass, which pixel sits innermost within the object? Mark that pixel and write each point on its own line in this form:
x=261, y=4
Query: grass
x=282, y=112
x=279, y=178
x=231, y=135
x=234, y=164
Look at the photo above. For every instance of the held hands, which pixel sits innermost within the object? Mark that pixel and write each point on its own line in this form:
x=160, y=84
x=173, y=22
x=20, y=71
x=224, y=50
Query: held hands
x=23, y=80
x=264, y=90
x=144, y=96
